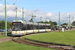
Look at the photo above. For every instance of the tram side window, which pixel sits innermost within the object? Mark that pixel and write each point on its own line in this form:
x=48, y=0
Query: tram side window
x=23, y=27
x=41, y=27
x=35, y=26
x=29, y=27
x=49, y=27
x=46, y=27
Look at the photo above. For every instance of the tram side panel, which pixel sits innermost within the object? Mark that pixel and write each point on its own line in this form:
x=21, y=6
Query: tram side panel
x=48, y=28
x=16, y=28
x=18, y=33
x=31, y=28
x=41, y=27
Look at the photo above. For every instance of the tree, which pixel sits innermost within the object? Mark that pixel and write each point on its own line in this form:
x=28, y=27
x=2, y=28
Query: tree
x=50, y=22
x=9, y=24
x=31, y=20
x=64, y=24
x=73, y=23
x=55, y=23
x=2, y=24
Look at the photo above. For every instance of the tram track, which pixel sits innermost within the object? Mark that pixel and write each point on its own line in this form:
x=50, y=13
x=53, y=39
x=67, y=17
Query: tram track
x=16, y=37
x=44, y=44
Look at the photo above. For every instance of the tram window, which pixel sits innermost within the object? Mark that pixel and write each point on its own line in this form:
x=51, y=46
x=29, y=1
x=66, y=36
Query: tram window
x=43, y=27
x=29, y=27
x=35, y=26
x=23, y=27
x=49, y=27
x=16, y=26
x=39, y=26
x=46, y=27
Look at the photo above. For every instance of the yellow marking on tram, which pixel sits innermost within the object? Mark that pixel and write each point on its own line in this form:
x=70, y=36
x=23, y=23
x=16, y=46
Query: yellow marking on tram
x=35, y=31
x=48, y=30
x=15, y=32
x=24, y=32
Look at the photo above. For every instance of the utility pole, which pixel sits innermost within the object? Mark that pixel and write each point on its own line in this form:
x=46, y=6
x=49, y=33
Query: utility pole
x=22, y=14
x=50, y=21
x=69, y=23
x=5, y=20
x=32, y=17
x=73, y=23
x=59, y=21
x=45, y=20
x=40, y=19
x=16, y=12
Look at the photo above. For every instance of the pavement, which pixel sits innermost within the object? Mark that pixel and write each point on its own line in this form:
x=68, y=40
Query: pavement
x=7, y=39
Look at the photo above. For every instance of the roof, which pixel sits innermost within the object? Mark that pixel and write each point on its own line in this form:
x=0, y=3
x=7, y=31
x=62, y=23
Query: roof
x=24, y=22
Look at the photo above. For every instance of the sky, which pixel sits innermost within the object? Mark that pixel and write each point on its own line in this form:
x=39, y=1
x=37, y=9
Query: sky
x=47, y=9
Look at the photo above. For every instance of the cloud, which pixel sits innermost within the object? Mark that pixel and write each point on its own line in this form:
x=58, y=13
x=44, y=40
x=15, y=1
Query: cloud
x=49, y=14
x=11, y=14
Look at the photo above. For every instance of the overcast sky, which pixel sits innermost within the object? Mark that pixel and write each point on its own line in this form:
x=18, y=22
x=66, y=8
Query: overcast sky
x=47, y=9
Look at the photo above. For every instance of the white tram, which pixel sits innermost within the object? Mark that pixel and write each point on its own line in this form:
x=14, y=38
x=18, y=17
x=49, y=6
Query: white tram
x=20, y=27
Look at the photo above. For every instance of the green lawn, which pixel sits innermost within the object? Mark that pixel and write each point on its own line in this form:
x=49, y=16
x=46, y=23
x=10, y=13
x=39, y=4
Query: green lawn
x=7, y=32
x=9, y=45
x=2, y=36
x=67, y=37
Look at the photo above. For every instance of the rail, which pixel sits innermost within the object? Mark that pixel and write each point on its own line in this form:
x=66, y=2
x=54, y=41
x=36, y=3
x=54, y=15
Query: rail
x=44, y=44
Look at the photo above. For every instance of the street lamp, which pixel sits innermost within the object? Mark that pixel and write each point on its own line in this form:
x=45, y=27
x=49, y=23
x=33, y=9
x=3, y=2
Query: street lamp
x=32, y=17
x=22, y=14
x=16, y=10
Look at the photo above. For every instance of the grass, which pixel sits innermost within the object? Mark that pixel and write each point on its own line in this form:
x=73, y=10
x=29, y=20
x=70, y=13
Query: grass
x=67, y=37
x=7, y=32
x=2, y=36
x=9, y=45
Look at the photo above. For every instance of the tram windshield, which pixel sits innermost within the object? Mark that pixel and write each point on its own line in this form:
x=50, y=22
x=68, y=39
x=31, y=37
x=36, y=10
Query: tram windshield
x=16, y=26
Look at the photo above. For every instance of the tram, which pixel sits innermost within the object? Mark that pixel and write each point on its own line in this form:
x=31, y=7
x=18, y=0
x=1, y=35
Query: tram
x=20, y=27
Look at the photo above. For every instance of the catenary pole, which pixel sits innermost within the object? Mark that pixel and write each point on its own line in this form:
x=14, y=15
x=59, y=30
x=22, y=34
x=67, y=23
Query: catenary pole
x=22, y=14
x=16, y=12
x=59, y=21
x=40, y=19
x=69, y=22
x=5, y=20
x=32, y=17
x=73, y=23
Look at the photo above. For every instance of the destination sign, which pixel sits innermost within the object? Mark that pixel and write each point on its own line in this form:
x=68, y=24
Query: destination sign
x=16, y=23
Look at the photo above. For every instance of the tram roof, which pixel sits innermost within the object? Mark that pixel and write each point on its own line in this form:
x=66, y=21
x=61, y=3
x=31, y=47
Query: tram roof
x=29, y=22
x=17, y=21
